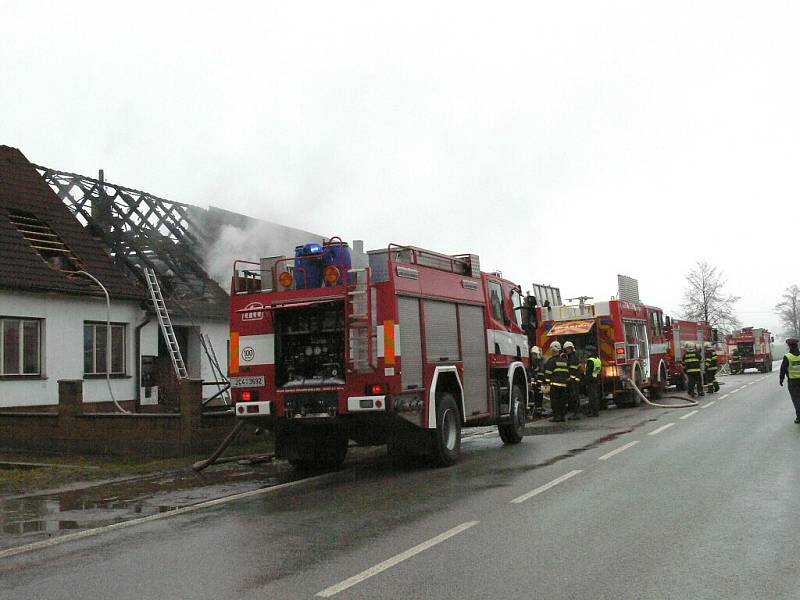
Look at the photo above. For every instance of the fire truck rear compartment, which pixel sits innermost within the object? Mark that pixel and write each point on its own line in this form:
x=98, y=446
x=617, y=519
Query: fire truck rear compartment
x=745, y=349
x=310, y=346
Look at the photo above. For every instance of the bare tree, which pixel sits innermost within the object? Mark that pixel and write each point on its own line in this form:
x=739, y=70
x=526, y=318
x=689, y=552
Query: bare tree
x=788, y=310
x=704, y=298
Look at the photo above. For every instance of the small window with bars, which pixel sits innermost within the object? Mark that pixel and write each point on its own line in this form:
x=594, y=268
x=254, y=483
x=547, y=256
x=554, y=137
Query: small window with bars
x=96, y=357
x=20, y=347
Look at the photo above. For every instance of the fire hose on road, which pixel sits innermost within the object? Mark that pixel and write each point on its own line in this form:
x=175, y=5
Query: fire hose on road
x=691, y=401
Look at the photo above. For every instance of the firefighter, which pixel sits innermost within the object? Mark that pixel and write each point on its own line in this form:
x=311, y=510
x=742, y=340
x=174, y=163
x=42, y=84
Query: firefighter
x=536, y=376
x=556, y=372
x=712, y=385
x=736, y=362
x=573, y=388
x=790, y=368
x=594, y=385
x=691, y=366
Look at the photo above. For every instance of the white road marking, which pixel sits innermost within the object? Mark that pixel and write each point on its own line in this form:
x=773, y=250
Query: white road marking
x=389, y=563
x=724, y=396
x=733, y=391
x=63, y=539
x=660, y=429
x=545, y=487
x=689, y=414
x=709, y=403
x=618, y=450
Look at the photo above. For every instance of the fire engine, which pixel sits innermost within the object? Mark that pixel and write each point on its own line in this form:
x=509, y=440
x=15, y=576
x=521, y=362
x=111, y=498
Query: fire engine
x=399, y=346
x=629, y=336
x=679, y=334
x=750, y=348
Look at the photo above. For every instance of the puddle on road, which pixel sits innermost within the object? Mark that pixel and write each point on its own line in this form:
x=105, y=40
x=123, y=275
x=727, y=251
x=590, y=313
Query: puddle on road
x=35, y=516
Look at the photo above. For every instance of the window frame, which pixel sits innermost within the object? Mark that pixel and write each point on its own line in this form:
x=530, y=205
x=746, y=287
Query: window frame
x=517, y=305
x=21, y=374
x=102, y=373
x=501, y=318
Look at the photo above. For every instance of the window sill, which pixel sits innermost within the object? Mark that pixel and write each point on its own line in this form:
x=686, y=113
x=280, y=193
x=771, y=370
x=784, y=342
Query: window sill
x=103, y=376
x=22, y=378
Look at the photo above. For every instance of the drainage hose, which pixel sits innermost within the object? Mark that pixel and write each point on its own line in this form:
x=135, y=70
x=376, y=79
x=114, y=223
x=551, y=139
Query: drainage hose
x=692, y=402
x=202, y=464
x=108, y=339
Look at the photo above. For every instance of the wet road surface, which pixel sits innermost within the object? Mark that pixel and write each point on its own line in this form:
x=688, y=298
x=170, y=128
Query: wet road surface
x=642, y=503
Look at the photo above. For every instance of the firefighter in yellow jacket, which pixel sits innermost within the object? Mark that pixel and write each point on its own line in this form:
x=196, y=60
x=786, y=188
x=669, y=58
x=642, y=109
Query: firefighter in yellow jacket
x=790, y=369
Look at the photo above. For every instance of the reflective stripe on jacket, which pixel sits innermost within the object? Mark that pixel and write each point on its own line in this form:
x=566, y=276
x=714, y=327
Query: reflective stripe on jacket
x=691, y=362
x=557, y=371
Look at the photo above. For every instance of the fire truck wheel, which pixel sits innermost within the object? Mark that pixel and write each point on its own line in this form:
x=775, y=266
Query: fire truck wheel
x=446, y=439
x=513, y=432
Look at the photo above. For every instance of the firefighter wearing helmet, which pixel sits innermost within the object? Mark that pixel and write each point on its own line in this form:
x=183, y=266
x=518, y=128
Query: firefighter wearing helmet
x=712, y=385
x=573, y=389
x=790, y=369
x=556, y=373
x=536, y=377
x=692, y=368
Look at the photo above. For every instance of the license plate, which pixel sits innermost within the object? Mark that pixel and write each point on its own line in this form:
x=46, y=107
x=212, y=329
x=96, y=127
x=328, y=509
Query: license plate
x=244, y=382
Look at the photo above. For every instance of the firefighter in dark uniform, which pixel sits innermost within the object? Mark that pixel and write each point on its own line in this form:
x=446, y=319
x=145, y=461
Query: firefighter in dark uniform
x=736, y=362
x=574, y=386
x=691, y=366
x=556, y=372
x=594, y=385
x=790, y=369
x=712, y=385
x=536, y=377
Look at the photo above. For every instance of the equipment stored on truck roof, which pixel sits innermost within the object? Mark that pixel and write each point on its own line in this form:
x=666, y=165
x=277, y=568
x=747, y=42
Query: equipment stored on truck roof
x=750, y=348
x=405, y=351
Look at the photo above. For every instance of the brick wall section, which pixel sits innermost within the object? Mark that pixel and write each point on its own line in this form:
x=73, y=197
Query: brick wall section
x=74, y=431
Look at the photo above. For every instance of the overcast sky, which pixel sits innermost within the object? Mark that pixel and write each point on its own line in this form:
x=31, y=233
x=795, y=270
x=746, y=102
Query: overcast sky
x=563, y=142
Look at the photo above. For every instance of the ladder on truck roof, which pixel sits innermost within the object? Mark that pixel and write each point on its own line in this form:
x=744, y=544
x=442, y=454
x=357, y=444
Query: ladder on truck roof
x=358, y=313
x=166, y=323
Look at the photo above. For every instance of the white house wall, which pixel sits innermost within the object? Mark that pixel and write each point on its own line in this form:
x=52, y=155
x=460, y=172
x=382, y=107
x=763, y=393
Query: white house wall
x=199, y=365
x=62, y=345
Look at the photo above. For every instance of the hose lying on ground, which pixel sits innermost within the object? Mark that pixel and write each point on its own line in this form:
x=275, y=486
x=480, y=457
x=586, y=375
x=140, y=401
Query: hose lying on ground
x=202, y=464
x=646, y=400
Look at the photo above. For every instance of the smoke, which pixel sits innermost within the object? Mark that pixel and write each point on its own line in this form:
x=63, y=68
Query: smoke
x=256, y=240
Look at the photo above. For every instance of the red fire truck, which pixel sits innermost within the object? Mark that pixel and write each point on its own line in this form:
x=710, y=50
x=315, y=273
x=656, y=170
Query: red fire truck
x=630, y=338
x=404, y=351
x=750, y=348
x=679, y=334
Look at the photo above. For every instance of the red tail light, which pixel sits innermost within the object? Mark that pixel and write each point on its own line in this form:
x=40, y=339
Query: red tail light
x=376, y=389
x=247, y=395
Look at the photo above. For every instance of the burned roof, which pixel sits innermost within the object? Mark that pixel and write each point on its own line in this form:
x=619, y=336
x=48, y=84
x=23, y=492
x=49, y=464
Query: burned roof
x=140, y=230
x=41, y=241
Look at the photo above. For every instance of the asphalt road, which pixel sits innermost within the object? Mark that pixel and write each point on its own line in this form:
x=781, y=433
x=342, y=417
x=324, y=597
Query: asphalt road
x=641, y=503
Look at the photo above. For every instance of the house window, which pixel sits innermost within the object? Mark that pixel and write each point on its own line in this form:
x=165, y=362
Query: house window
x=95, y=348
x=20, y=346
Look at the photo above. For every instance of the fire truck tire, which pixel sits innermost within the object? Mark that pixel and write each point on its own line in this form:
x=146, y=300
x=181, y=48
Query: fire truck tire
x=446, y=438
x=513, y=432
